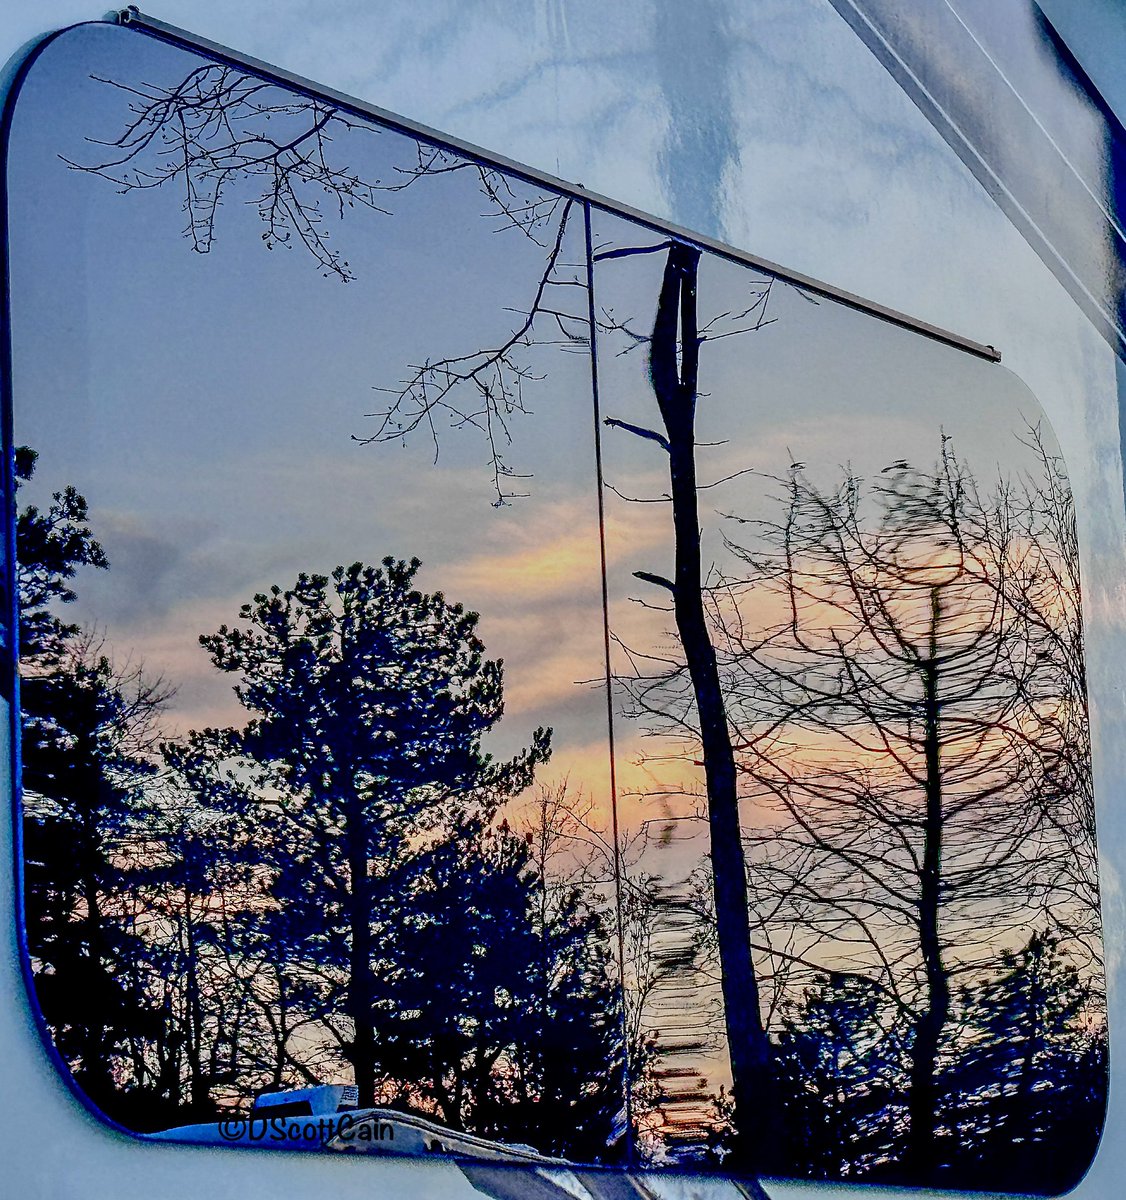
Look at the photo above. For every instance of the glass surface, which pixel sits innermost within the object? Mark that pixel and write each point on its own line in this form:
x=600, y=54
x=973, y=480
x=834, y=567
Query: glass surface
x=359, y=855
x=396, y=874
x=844, y=594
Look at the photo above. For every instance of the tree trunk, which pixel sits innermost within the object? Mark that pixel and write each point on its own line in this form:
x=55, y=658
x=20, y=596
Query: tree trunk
x=359, y=963
x=922, y=1155
x=675, y=385
x=198, y=1085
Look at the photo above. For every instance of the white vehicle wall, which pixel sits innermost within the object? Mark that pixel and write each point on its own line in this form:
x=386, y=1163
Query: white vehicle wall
x=818, y=159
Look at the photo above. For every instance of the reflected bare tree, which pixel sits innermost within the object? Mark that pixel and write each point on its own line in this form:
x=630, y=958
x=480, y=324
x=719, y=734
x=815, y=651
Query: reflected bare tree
x=219, y=129
x=1047, y=597
x=901, y=720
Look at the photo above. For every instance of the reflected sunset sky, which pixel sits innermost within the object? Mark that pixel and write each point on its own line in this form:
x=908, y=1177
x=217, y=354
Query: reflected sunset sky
x=208, y=408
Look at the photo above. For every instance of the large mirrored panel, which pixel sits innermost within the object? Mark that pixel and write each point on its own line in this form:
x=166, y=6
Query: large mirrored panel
x=289, y=821
x=851, y=708
x=498, y=681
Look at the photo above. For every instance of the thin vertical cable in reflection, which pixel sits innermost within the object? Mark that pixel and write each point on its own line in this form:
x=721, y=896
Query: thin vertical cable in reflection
x=627, y=1076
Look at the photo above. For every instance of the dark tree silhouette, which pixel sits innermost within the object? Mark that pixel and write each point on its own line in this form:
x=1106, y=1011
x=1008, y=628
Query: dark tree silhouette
x=87, y=733
x=674, y=366
x=502, y=1010
x=369, y=700
x=190, y=912
x=52, y=545
x=197, y=893
x=1046, y=594
x=1026, y=1076
x=841, y=1067
x=82, y=792
x=889, y=725
x=219, y=129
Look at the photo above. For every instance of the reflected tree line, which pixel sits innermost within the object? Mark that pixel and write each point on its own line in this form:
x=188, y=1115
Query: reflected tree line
x=330, y=888
x=902, y=665
x=884, y=689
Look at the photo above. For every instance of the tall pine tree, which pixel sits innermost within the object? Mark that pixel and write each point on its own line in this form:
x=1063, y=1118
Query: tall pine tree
x=368, y=700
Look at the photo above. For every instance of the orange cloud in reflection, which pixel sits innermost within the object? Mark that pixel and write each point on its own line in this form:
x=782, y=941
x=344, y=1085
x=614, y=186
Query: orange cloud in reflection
x=532, y=569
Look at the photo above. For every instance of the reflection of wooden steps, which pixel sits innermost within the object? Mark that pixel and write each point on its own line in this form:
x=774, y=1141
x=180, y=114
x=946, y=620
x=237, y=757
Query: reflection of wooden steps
x=683, y=1024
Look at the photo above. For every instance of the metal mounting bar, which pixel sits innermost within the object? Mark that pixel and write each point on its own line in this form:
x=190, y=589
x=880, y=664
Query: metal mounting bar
x=133, y=18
